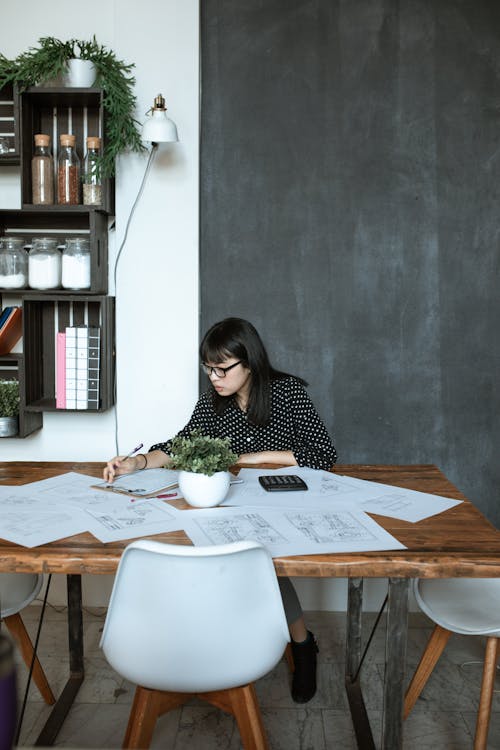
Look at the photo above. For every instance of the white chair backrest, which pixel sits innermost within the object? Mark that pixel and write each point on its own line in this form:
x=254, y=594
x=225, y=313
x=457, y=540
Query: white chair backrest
x=17, y=590
x=194, y=619
x=470, y=606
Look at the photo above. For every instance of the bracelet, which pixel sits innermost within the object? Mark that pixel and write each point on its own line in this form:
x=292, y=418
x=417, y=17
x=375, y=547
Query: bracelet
x=145, y=461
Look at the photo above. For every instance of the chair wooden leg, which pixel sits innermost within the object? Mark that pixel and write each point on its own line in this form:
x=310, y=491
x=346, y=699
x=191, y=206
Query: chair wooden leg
x=148, y=705
x=242, y=703
x=20, y=634
x=487, y=687
x=433, y=651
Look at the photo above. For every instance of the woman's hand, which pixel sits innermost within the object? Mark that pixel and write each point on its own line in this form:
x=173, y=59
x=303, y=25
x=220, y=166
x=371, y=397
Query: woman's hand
x=122, y=465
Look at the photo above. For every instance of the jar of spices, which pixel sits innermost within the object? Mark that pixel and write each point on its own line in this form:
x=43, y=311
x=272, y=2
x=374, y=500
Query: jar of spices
x=92, y=183
x=13, y=263
x=76, y=264
x=44, y=264
x=68, y=172
x=42, y=172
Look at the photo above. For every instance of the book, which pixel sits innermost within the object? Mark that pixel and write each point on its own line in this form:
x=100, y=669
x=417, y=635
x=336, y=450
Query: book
x=4, y=315
x=11, y=330
x=82, y=366
x=94, y=367
x=70, y=367
x=61, y=371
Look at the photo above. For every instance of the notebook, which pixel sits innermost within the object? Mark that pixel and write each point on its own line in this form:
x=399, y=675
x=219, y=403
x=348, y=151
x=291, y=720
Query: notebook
x=146, y=483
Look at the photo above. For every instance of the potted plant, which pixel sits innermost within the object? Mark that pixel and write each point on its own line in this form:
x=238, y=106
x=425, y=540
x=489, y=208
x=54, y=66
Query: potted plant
x=203, y=463
x=53, y=60
x=9, y=408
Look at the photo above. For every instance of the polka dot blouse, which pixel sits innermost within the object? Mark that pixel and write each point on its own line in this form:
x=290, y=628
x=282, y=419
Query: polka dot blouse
x=294, y=425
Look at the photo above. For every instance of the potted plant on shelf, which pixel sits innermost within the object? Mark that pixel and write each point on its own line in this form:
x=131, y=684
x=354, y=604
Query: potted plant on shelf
x=9, y=408
x=203, y=463
x=53, y=61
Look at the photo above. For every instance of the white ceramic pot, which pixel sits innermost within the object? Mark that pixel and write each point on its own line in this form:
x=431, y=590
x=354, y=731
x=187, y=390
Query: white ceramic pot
x=202, y=491
x=81, y=74
x=9, y=426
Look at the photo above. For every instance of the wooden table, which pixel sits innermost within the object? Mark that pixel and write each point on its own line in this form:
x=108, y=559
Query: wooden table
x=457, y=543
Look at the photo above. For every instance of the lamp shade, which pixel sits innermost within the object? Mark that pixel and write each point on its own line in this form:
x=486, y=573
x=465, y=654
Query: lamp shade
x=158, y=128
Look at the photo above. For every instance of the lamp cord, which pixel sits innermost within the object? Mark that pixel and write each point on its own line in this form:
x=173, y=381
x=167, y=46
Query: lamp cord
x=152, y=154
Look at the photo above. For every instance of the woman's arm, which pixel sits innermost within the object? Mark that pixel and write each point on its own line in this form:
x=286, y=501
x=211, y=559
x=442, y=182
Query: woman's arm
x=286, y=458
x=314, y=445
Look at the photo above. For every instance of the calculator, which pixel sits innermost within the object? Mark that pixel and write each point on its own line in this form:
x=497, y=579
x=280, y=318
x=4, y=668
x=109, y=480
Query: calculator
x=282, y=482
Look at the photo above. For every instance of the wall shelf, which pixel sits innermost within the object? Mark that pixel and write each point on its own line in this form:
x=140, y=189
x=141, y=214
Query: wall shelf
x=12, y=368
x=55, y=111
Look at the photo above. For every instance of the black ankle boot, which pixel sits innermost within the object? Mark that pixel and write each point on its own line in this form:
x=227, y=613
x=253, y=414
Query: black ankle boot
x=304, y=675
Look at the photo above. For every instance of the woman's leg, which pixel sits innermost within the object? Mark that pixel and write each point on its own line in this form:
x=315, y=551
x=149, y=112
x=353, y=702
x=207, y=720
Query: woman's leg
x=304, y=646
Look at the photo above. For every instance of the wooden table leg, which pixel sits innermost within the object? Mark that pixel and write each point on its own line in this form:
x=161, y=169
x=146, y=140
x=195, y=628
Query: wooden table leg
x=76, y=672
x=362, y=729
x=395, y=664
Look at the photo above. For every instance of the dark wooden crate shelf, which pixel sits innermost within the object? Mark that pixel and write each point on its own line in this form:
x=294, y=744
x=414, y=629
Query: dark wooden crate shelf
x=42, y=319
x=9, y=124
x=12, y=368
x=35, y=222
x=55, y=111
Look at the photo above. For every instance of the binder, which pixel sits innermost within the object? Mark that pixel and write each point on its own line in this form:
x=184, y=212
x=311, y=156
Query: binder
x=61, y=371
x=70, y=367
x=94, y=367
x=11, y=330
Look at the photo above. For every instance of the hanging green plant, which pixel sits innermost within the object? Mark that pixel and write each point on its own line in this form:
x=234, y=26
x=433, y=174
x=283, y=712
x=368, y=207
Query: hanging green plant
x=50, y=60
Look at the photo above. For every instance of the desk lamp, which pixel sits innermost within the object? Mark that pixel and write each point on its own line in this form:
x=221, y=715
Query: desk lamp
x=158, y=128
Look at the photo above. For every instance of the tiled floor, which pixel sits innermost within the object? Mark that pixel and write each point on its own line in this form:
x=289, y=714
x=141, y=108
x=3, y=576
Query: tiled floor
x=443, y=719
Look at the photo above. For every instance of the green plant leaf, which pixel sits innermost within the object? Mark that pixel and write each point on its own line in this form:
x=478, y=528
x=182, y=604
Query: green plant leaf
x=9, y=398
x=49, y=60
x=202, y=454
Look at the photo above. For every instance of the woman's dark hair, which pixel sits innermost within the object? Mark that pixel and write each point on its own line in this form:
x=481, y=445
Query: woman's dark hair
x=235, y=337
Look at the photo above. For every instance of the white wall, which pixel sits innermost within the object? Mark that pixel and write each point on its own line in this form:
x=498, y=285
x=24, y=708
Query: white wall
x=157, y=295
x=157, y=290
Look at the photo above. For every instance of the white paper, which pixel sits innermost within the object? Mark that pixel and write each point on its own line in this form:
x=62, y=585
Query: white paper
x=325, y=490
x=399, y=502
x=27, y=520
x=122, y=519
x=337, y=491
x=61, y=506
x=289, y=532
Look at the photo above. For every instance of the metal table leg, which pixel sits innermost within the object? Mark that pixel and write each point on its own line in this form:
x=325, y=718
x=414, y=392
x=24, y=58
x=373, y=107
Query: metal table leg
x=362, y=729
x=75, y=642
x=395, y=662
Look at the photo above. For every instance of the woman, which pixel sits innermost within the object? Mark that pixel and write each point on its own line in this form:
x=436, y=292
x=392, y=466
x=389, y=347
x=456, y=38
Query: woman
x=270, y=419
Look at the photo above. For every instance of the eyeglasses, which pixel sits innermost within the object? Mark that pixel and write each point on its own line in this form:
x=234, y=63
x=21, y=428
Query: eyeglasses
x=219, y=372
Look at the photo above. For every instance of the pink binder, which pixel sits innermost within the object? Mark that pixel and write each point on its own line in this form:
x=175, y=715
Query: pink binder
x=61, y=371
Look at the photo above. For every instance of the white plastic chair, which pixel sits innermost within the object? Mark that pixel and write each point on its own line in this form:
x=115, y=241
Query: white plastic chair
x=207, y=621
x=17, y=590
x=470, y=606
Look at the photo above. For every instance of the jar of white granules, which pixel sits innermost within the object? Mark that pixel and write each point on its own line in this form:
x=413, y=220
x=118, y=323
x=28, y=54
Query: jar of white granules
x=76, y=264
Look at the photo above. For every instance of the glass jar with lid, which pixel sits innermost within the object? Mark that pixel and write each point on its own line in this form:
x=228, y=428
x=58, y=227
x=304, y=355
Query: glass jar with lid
x=44, y=264
x=68, y=171
x=92, y=183
x=76, y=264
x=42, y=172
x=13, y=263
